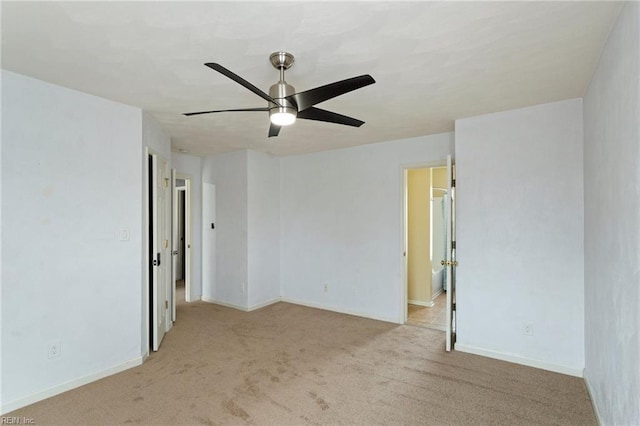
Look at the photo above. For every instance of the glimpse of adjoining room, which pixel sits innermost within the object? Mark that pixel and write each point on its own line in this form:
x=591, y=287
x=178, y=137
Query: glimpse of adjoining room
x=426, y=239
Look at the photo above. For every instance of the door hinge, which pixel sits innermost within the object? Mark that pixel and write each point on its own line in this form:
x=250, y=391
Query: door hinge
x=449, y=263
x=166, y=182
x=453, y=245
x=453, y=183
x=166, y=243
x=166, y=304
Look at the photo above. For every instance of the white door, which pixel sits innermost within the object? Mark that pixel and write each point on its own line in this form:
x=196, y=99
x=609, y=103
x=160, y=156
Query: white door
x=187, y=240
x=449, y=261
x=161, y=258
x=175, y=199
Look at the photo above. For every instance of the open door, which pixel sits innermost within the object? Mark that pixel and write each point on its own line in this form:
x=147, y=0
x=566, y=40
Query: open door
x=186, y=245
x=449, y=261
x=159, y=248
x=175, y=199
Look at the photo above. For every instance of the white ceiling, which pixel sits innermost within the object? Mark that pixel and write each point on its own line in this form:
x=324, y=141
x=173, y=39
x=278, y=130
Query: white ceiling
x=433, y=62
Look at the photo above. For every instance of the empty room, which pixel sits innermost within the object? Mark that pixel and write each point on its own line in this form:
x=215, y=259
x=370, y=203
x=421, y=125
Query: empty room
x=290, y=213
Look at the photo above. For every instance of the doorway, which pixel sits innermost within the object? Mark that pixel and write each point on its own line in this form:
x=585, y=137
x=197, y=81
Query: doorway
x=426, y=189
x=181, y=246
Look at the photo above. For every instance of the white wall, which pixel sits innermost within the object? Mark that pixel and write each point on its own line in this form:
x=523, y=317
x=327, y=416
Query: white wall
x=438, y=241
x=228, y=172
x=155, y=138
x=419, y=276
x=612, y=225
x=520, y=235
x=263, y=229
x=1, y=275
x=192, y=166
x=71, y=174
x=342, y=225
x=208, y=235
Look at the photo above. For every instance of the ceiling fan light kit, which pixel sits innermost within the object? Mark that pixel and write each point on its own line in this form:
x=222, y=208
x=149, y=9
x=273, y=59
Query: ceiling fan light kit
x=285, y=105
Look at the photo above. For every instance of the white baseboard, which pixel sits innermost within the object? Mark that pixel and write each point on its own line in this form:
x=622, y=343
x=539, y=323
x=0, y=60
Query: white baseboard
x=239, y=307
x=428, y=304
x=296, y=302
x=196, y=298
x=225, y=304
x=594, y=404
x=72, y=384
x=339, y=310
x=438, y=293
x=263, y=304
x=576, y=372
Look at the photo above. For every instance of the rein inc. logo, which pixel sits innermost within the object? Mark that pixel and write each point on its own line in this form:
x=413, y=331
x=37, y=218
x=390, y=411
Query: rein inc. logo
x=6, y=420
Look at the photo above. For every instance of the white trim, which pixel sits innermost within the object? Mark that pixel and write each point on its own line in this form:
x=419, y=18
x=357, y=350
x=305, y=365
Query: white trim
x=404, y=246
x=228, y=305
x=576, y=372
x=340, y=311
x=428, y=304
x=76, y=383
x=146, y=327
x=187, y=267
x=264, y=304
x=593, y=400
x=297, y=302
x=239, y=307
x=438, y=293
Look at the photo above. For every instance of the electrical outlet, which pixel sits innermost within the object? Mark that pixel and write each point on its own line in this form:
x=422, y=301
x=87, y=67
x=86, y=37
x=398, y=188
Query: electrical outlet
x=326, y=287
x=54, y=349
x=527, y=328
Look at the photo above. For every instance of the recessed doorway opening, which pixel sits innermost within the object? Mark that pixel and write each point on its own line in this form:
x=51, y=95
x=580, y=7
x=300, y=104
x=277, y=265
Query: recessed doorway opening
x=426, y=203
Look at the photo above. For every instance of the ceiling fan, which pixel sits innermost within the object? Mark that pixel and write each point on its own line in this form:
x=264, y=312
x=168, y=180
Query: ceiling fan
x=285, y=105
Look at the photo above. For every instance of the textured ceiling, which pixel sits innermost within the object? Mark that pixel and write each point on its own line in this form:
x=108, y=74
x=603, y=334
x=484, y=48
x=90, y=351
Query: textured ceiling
x=433, y=62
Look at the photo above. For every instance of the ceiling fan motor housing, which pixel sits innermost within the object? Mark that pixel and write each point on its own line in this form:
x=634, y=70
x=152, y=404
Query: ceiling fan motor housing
x=279, y=92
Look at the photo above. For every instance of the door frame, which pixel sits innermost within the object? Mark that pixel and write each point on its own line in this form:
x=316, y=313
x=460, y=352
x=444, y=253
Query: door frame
x=187, y=267
x=404, y=229
x=450, y=256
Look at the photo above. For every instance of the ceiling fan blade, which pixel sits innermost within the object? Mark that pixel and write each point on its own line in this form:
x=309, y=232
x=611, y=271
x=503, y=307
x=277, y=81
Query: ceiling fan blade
x=188, y=114
x=318, y=114
x=311, y=97
x=222, y=70
x=274, y=129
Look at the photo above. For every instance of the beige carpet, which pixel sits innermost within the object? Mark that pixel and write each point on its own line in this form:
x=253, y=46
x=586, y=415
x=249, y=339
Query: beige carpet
x=292, y=365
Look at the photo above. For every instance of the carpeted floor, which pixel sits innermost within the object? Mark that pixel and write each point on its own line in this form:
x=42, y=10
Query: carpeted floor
x=292, y=365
